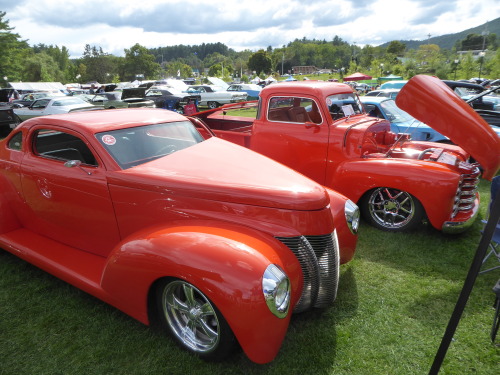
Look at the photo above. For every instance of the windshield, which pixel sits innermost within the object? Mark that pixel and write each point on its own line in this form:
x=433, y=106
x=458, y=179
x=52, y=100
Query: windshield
x=343, y=105
x=141, y=144
x=73, y=100
x=394, y=113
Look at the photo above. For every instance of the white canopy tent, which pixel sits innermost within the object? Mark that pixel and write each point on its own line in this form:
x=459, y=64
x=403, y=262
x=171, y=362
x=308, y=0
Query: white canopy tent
x=37, y=86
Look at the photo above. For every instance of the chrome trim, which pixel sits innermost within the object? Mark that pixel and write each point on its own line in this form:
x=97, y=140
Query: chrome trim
x=453, y=227
x=319, y=259
x=466, y=192
x=352, y=216
x=277, y=290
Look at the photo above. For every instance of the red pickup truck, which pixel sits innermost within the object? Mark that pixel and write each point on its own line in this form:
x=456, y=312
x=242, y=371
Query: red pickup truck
x=321, y=130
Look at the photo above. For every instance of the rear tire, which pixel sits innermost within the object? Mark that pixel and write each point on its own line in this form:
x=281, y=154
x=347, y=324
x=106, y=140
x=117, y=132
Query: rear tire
x=212, y=105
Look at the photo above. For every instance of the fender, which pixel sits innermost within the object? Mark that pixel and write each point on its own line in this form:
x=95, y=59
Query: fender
x=225, y=264
x=347, y=240
x=400, y=174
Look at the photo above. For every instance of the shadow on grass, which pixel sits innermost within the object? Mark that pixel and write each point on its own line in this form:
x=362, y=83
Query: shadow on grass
x=424, y=250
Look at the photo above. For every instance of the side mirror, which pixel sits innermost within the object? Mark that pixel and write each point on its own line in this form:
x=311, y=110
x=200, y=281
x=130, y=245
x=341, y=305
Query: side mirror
x=75, y=163
x=310, y=124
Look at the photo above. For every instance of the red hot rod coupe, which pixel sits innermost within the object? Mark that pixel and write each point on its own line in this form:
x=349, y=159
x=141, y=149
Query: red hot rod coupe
x=215, y=242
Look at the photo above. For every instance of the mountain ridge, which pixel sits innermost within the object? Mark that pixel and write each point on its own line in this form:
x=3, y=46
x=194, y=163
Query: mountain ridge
x=447, y=41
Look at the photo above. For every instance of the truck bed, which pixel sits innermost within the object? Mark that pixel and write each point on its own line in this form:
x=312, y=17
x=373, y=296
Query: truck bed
x=236, y=129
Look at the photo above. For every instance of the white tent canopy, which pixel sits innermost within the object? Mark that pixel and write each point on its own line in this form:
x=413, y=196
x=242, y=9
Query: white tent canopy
x=37, y=86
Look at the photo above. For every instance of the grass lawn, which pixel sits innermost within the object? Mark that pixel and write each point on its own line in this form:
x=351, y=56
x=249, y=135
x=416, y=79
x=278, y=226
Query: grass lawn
x=395, y=299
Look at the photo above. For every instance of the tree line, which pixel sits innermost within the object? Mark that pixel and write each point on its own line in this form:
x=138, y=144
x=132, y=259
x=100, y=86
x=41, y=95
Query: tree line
x=21, y=62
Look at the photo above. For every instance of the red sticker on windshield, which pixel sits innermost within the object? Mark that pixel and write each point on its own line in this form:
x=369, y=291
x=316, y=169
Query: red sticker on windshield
x=108, y=140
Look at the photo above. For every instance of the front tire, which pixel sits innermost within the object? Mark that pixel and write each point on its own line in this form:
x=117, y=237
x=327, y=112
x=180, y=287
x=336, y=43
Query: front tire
x=193, y=320
x=391, y=209
x=212, y=105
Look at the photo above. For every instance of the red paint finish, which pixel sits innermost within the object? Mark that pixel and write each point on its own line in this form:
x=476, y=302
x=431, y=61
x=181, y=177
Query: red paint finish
x=207, y=213
x=355, y=153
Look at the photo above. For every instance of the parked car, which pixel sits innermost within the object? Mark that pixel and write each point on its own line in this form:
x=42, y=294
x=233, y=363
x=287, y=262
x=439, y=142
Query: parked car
x=170, y=98
x=477, y=97
x=251, y=89
x=27, y=99
x=8, y=121
x=401, y=122
x=393, y=84
x=215, y=243
x=113, y=99
x=465, y=88
x=135, y=97
x=385, y=93
x=51, y=106
x=214, y=96
x=362, y=88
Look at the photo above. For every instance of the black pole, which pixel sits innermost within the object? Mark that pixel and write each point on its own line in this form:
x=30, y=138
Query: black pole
x=475, y=267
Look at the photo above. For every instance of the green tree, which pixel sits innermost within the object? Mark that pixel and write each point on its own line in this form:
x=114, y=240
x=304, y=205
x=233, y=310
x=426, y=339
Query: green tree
x=396, y=47
x=178, y=68
x=137, y=61
x=468, y=66
x=60, y=56
x=14, y=52
x=99, y=66
x=493, y=65
x=41, y=67
x=260, y=62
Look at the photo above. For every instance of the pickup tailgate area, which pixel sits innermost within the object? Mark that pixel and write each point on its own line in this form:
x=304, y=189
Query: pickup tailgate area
x=236, y=129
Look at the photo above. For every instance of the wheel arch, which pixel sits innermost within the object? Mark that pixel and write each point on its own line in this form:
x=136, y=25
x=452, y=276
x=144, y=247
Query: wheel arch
x=419, y=178
x=227, y=266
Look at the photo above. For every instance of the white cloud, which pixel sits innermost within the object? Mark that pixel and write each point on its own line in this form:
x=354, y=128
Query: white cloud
x=115, y=25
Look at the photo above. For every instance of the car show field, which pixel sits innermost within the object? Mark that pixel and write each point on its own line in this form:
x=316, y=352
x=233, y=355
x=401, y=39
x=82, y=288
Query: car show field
x=392, y=308
x=386, y=294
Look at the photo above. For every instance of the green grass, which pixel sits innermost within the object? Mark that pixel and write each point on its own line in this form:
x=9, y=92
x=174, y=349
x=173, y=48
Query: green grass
x=395, y=299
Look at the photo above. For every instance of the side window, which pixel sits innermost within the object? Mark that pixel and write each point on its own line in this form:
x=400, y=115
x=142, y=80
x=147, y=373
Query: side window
x=373, y=111
x=294, y=110
x=343, y=105
x=41, y=103
x=15, y=143
x=62, y=146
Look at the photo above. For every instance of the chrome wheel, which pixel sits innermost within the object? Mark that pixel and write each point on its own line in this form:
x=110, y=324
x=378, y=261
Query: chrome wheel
x=392, y=209
x=190, y=316
x=212, y=105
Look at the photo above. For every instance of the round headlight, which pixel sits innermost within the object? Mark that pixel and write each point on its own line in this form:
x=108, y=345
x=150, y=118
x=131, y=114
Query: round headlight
x=276, y=289
x=352, y=216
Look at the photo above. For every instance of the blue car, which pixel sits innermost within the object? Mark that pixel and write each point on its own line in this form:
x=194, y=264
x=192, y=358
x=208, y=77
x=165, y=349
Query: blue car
x=252, y=90
x=402, y=122
x=392, y=85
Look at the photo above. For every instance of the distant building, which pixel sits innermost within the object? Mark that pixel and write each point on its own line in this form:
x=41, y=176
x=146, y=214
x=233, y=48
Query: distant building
x=309, y=69
x=476, y=53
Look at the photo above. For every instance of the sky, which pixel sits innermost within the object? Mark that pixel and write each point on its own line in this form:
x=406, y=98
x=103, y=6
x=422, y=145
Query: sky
x=116, y=25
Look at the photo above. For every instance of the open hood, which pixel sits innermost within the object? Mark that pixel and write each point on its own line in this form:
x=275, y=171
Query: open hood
x=218, y=82
x=431, y=101
x=134, y=92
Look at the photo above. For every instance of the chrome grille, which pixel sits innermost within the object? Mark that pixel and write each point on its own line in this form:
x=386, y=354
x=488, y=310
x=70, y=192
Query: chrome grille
x=466, y=192
x=319, y=259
